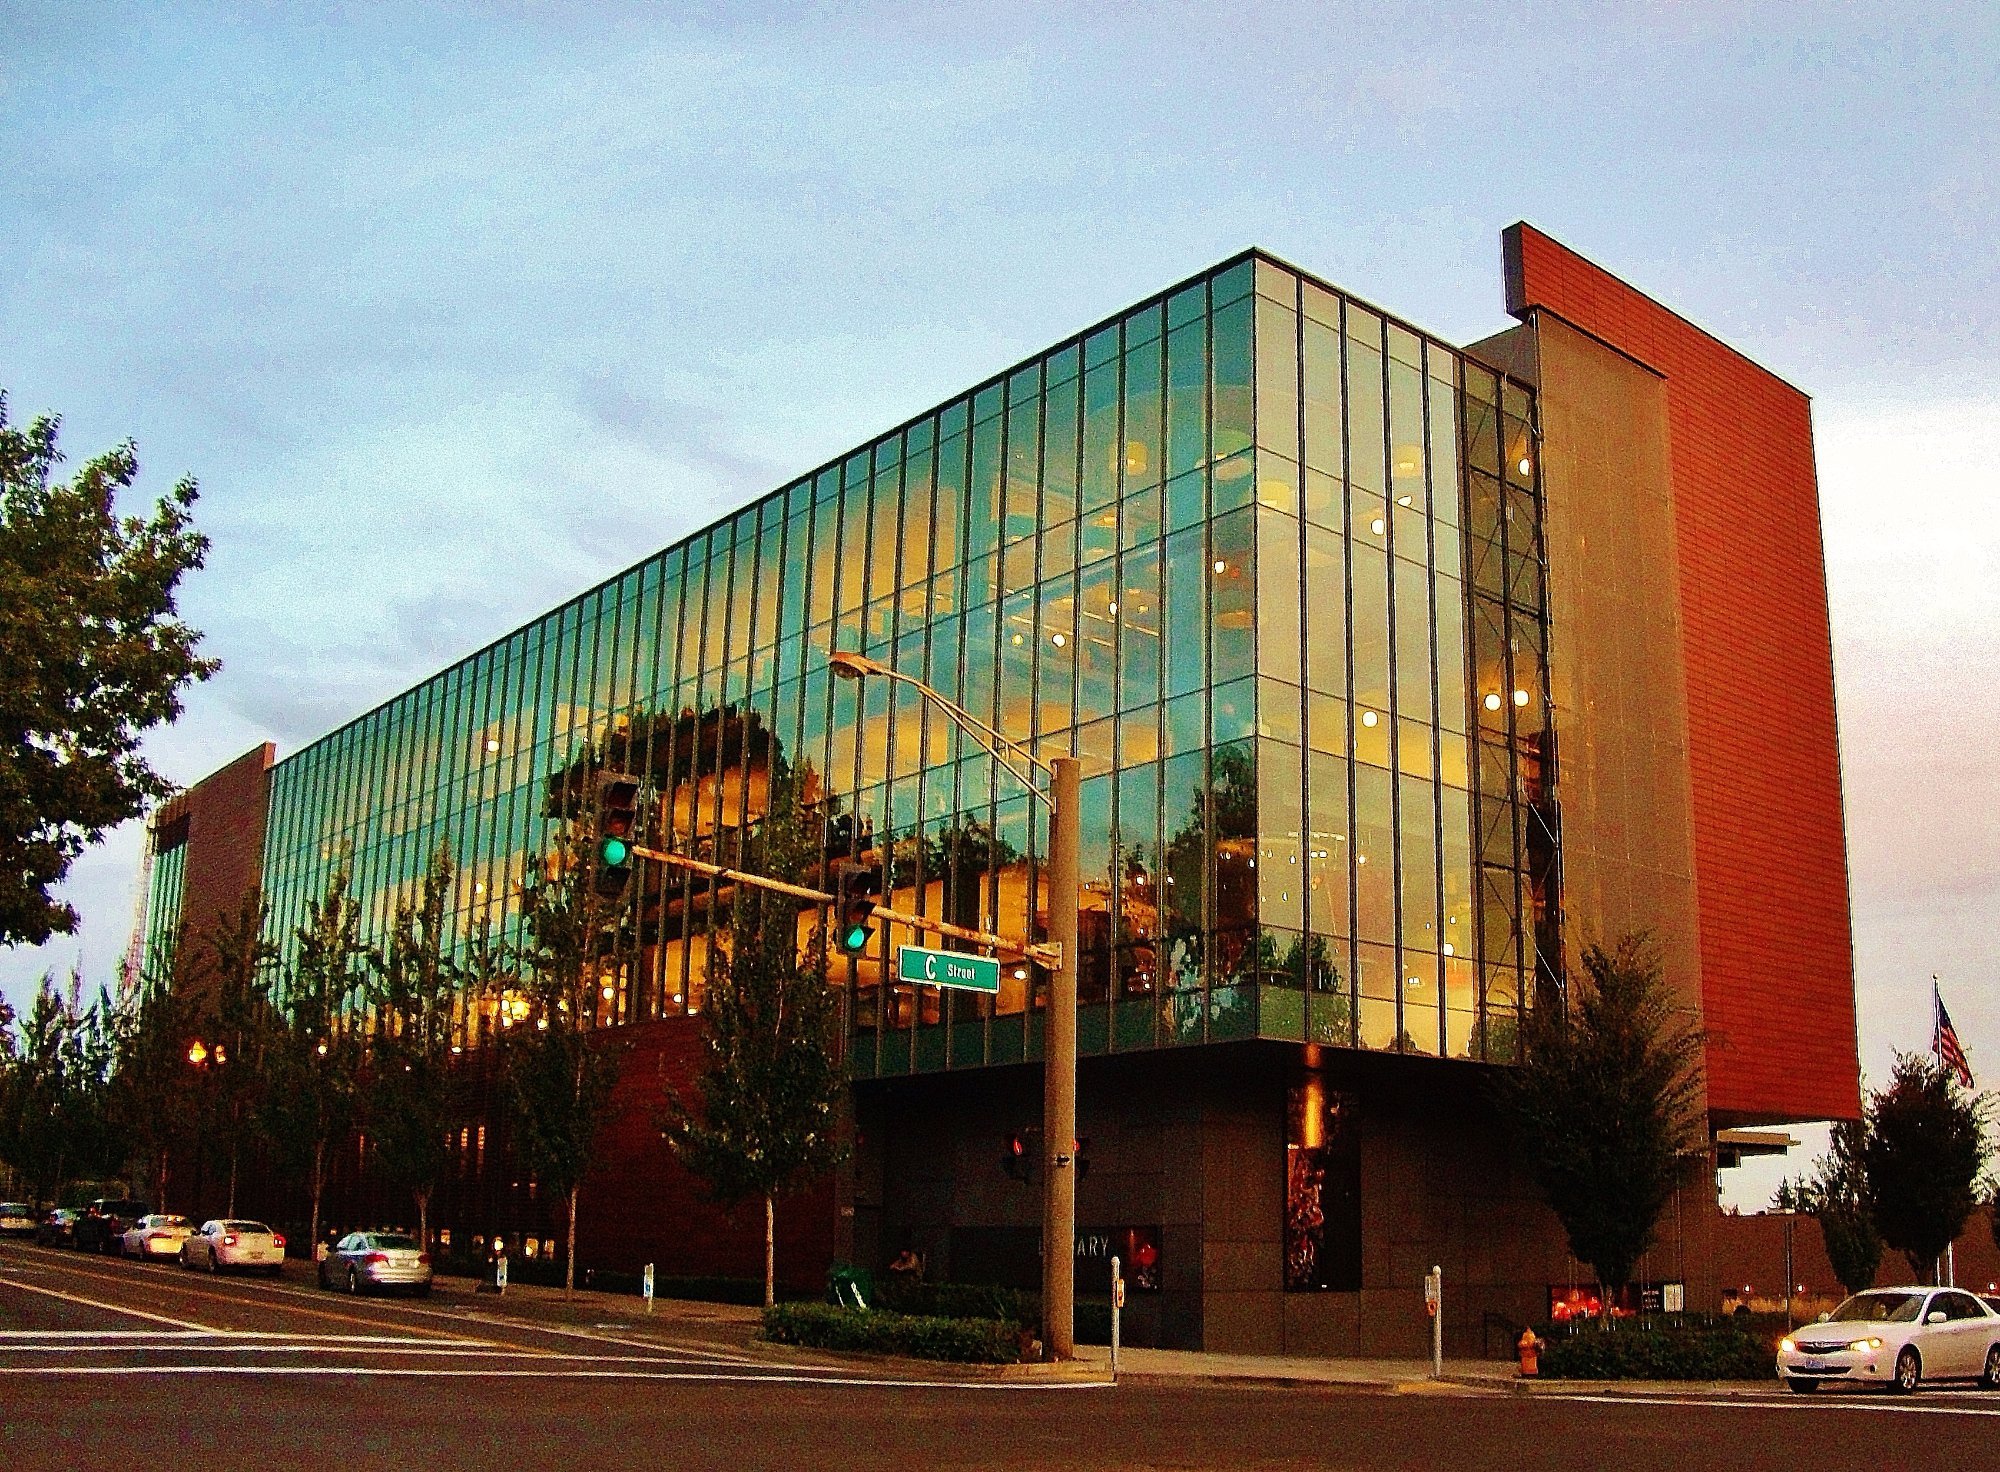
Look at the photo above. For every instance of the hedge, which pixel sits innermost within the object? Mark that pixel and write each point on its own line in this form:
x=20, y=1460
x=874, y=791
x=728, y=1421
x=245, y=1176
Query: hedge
x=957, y=1301
x=1700, y=1350
x=825, y=1326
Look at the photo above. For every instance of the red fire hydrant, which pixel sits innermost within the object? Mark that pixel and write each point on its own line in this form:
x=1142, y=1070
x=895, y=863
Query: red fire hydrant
x=1531, y=1354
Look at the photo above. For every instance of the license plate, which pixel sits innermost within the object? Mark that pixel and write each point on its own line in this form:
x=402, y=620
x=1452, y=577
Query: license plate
x=1816, y=1364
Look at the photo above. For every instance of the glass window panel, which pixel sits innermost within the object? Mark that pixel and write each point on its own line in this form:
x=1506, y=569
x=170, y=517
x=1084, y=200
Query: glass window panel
x=1187, y=398
x=1234, y=711
x=1059, y=452
x=1418, y=821
x=1054, y=693
x=1325, y=585
x=1184, y=784
x=1326, y=724
x=1139, y=518
x=1278, y=378
x=1278, y=593
x=1185, y=624
x=1366, y=447
x=1281, y=873
x=982, y=526
x=1185, y=727
x=1279, y=714
x=1142, y=459
x=1455, y=852
x=1187, y=500
x=1413, y=641
x=1017, y=665
x=1452, y=690
x=1323, y=422
x=1374, y=856
x=1097, y=643
x=1233, y=371
x=1232, y=595
x=1326, y=852
x=1137, y=873
x=1024, y=458
x=1101, y=453
x=1371, y=627
x=1137, y=611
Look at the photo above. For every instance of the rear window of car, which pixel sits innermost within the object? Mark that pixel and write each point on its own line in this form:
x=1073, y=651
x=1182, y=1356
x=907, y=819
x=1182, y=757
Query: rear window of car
x=244, y=1227
x=391, y=1239
x=1880, y=1308
x=13, y=1208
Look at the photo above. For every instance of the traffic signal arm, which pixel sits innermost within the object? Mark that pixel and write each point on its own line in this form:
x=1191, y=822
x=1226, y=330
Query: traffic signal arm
x=1041, y=955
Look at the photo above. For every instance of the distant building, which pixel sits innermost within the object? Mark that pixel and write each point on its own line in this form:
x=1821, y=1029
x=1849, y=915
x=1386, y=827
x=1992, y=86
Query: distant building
x=1399, y=670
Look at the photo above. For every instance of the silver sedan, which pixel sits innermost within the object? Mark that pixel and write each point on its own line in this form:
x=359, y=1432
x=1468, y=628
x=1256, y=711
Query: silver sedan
x=362, y=1261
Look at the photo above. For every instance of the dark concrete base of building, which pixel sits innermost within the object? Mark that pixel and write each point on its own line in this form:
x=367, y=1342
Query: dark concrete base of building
x=1193, y=1155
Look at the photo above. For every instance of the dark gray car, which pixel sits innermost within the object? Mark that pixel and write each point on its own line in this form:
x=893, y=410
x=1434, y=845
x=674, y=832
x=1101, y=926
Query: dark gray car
x=362, y=1261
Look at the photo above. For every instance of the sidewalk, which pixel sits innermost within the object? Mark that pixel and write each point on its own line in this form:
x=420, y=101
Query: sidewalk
x=1404, y=1377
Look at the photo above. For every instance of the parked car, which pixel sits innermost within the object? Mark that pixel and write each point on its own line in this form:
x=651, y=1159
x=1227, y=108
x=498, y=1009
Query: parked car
x=361, y=1261
x=226, y=1245
x=1898, y=1337
x=58, y=1228
x=156, y=1236
x=104, y=1222
x=17, y=1219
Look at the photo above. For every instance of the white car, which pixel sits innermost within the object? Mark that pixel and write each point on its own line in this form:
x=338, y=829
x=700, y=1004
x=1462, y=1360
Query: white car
x=156, y=1236
x=17, y=1219
x=1898, y=1337
x=221, y=1245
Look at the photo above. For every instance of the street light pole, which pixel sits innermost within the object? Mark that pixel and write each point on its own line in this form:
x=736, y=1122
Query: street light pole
x=1059, y=1072
x=1064, y=775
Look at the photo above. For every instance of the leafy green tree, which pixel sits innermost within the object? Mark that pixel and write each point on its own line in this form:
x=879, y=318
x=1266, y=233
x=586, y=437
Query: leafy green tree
x=1836, y=1195
x=1926, y=1145
x=415, y=987
x=766, y=1119
x=1606, y=1103
x=315, y=1053
x=241, y=1023
x=54, y=1120
x=559, y=1068
x=95, y=656
x=154, y=1080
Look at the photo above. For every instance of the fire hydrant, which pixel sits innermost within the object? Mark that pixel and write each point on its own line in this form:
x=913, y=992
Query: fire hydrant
x=1531, y=1354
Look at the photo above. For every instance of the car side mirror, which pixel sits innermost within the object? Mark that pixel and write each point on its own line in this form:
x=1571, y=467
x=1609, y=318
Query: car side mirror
x=1935, y=1316
x=1824, y=1319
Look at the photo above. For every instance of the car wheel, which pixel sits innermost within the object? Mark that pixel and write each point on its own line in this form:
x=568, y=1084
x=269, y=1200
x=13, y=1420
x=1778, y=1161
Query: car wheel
x=1990, y=1378
x=354, y=1282
x=213, y=1265
x=1909, y=1372
x=424, y=1291
x=1799, y=1386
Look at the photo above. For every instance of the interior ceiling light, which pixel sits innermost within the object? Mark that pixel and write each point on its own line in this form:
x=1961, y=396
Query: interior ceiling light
x=1220, y=565
x=492, y=743
x=1058, y=640
x=1369, y=718
x=1402, y=500
x=1378, y=526
x=1520, y=697
x=1527, y=465
x=1493, y=702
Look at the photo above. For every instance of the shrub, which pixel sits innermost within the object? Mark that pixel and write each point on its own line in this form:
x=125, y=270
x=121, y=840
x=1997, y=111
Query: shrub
x=963, y=1341
x=956, y=1301
x=1701, y=1349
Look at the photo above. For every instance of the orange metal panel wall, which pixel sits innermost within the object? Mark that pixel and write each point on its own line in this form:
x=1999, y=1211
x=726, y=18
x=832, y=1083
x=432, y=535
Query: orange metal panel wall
x=1770, y=849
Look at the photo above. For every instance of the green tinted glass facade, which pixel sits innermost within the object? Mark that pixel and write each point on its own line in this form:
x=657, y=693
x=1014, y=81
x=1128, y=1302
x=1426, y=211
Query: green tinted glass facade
x=1267, y=561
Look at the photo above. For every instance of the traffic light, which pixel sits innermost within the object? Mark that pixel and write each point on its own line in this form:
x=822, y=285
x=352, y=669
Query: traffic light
x=1015, y=1159
x=857, y=885
x=617, y=817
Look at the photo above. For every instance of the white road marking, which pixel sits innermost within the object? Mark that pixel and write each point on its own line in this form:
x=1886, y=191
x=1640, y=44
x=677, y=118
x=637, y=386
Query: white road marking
x=712, y=1377
x=1790, y=1403
x=136, y=1313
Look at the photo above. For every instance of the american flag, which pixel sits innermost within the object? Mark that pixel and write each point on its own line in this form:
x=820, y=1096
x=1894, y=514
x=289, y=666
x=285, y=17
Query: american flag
x=1944, y=1040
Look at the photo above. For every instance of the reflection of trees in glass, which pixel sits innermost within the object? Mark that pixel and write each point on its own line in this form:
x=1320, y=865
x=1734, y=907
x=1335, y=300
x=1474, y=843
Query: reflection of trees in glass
x=1138, y=926
x=1228, y=809
x=961, y=854
x=1322, y=1191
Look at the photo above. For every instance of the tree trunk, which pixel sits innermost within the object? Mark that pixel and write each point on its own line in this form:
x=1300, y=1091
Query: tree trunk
x=569, y=1271
x=318, y=1185
x=424, y=1219
x=233, y=1148
x=770, y=1252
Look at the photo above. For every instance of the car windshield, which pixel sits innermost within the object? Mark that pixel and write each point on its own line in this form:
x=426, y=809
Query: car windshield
x=244, y=1227
x=170, y=1221
x=1879, y=1308
x=13, y=1208
x=391, y=1239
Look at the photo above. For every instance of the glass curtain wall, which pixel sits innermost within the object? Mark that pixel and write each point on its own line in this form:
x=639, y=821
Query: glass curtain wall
x=1212, y=547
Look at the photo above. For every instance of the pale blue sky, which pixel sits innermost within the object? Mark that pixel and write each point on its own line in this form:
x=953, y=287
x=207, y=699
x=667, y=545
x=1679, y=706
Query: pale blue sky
x=454, y=315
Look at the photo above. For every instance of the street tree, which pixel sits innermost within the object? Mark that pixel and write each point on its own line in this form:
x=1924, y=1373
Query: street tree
x=1606, y=1104
x=560, y=1069
x=95, y=656
x=1926, y=1146
x=415, y=987
x=1836, y=1196
x=316, y=1054
x=765, y=1119
x=240, y=1021
x=54, y=1118
x=153, y=1077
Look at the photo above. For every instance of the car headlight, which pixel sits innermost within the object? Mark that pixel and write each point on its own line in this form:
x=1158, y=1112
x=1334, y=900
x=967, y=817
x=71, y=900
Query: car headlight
x=1786, y=1346
x=1871, y=1342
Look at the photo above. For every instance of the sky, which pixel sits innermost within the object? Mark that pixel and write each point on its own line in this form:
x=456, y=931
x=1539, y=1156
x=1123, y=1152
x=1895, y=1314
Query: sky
x=456, y=310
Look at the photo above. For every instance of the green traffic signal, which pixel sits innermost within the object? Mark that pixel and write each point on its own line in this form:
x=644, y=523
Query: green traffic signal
x=614, y=851
x=854, y=936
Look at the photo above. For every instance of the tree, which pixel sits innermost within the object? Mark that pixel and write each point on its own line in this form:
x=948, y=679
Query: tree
x=54, y=1121
x=559, y=1069
x=1606, y=1104
x=1926, y=1144
x=156, y=1026
x=241, y=1025
x=95, y=657
x=1836, y=1195
x=315, y=1055
x=415, y=988
x=766, y=1120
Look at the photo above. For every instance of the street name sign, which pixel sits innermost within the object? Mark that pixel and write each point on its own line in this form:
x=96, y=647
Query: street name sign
x=920, y=966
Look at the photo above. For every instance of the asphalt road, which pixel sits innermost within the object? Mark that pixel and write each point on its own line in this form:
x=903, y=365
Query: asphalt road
x=112, y=1364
